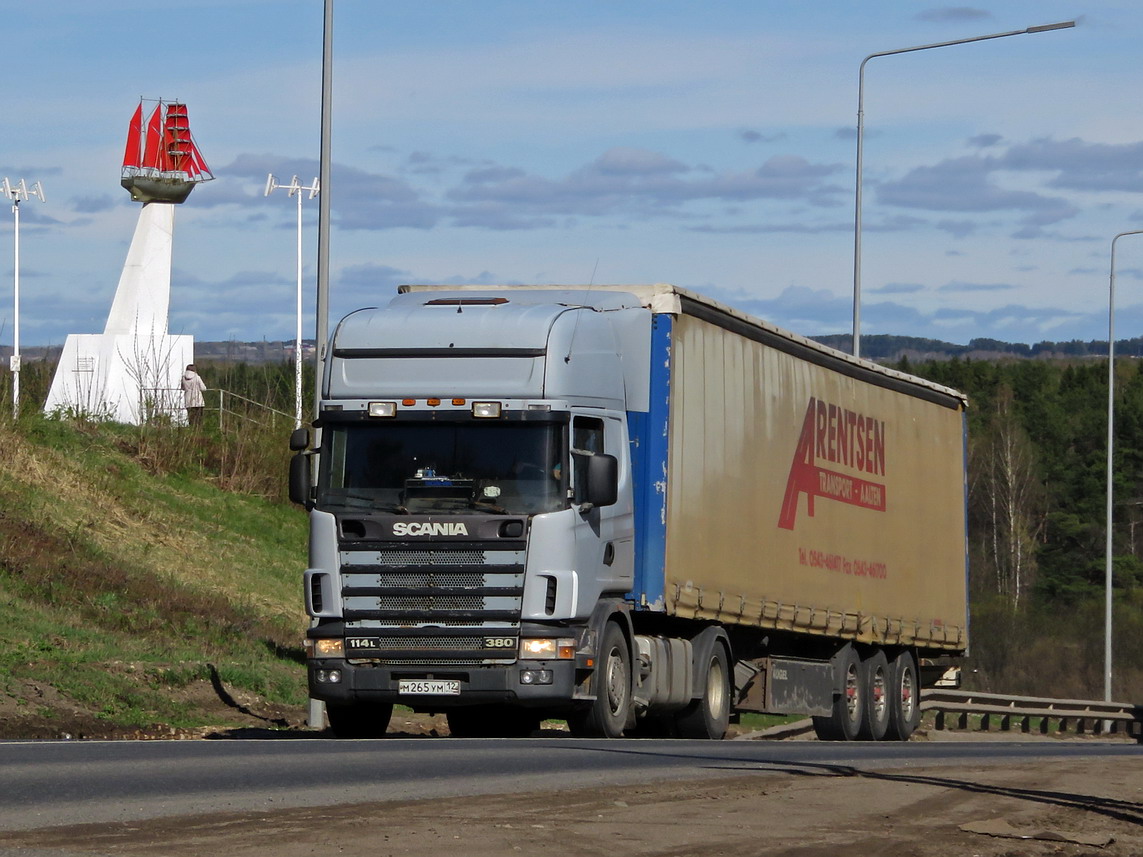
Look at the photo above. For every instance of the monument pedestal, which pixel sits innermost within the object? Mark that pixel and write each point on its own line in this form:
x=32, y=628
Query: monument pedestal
x=130, y=373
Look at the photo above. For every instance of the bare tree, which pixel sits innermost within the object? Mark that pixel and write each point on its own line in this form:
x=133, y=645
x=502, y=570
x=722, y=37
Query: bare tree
x=1009, y=500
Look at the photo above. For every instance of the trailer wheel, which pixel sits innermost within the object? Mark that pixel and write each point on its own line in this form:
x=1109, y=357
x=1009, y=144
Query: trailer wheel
x=877, y=697
x=364, y=720
x=491, y=721
x=709, y=716
x=904, y=697
x=606, y=716
x=844, y=723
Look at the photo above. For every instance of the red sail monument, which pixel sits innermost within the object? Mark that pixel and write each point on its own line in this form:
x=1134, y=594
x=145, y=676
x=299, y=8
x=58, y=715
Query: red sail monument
x=161, y=162
x=130, y=372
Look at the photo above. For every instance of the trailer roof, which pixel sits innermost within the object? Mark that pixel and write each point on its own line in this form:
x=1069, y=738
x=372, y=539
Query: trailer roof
x=674, y=300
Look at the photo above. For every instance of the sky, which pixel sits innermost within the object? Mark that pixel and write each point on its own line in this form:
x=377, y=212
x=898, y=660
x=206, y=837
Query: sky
x=709, y=145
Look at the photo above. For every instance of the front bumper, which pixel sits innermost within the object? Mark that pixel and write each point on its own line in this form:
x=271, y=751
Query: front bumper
x=479, y=685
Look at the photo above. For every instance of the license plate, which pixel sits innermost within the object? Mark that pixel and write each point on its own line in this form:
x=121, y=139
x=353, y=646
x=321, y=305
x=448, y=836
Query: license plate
x=429, y=687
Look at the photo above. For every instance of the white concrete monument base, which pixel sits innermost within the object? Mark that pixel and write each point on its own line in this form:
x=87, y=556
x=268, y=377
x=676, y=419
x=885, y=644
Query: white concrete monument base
x=130, y=373
x=120, y=377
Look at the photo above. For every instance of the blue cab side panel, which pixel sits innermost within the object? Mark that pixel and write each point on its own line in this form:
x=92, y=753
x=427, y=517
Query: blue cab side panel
x=649, y=444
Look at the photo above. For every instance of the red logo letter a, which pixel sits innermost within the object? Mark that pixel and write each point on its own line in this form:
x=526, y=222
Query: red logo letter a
x=803, y=472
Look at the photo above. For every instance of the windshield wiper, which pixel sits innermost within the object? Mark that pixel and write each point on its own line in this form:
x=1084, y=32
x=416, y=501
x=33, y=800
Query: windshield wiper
x=370, y=501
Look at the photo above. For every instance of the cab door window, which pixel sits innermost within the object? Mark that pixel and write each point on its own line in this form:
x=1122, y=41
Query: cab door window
x=586, y=440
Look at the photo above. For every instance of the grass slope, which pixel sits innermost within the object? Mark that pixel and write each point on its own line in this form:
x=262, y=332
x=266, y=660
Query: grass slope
x=136, y=596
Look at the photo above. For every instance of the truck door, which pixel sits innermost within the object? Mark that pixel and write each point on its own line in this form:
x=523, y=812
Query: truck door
x=605, y=548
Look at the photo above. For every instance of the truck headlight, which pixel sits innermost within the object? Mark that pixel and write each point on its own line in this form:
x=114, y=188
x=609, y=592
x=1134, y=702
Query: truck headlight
x=486, y=410
x=547, y=648
x=326, y=648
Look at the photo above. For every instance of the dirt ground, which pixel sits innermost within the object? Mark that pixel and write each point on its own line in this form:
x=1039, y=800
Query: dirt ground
x=1076, y=809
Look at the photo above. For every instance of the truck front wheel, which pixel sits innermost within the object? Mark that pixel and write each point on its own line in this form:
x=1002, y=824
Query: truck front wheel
x=364, y=720
x=606, y=716
x=709, y=716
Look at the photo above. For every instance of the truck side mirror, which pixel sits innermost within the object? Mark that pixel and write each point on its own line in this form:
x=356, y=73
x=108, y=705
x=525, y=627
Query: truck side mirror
x=300, y=484
x=299, y=439
x=602, y=480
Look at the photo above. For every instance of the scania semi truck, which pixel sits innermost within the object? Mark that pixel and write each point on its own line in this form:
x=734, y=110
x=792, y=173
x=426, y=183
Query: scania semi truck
x=630, y=508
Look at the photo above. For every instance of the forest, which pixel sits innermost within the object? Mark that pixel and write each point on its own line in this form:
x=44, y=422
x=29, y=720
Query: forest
x=888, y=347
x=1037, y=511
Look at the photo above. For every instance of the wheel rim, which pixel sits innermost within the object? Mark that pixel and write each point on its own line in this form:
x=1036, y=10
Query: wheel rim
x=616, y=681
x=852, y=694
x=878, y=697
x=717, y=697
x=908, y=695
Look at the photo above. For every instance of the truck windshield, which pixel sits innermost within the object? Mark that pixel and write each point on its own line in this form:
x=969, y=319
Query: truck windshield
x=416, y=468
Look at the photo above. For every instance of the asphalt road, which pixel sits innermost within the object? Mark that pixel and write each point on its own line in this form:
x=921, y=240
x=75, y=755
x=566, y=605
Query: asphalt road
x=50, y=784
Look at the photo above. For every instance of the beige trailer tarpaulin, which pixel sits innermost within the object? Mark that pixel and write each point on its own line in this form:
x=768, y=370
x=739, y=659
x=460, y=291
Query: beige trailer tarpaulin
x=811, y=494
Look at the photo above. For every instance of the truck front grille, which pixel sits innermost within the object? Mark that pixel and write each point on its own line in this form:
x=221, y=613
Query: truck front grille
x=401, y=603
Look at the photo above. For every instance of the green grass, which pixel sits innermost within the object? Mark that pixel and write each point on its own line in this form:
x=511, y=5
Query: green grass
x=129, y=567
x=758, y=722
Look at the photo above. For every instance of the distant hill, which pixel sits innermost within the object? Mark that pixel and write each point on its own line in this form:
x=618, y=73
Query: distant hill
x=890, y=348
x=227, y=351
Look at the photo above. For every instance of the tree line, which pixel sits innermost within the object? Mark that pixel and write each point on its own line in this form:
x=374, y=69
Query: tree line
x=888, y=347
x=1037, y=490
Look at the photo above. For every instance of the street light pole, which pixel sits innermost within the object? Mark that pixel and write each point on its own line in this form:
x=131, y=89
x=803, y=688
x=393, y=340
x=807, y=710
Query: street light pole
x=295, y=189
x=17, y=193
x=1063, y=25
x=324, y=202
x=1110, y=454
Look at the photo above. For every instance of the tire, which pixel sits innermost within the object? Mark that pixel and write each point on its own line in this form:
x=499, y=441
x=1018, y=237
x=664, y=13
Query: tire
x=904, y=697
x=876, y=702
x=606, y=716
x=491, y=721
x=844, y=723
x=708, y=716
x=364, y=720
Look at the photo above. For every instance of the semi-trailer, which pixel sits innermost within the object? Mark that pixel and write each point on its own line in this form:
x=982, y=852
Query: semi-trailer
x=628, y=507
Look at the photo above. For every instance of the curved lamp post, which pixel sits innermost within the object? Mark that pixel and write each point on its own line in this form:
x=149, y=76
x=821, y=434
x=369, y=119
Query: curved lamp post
x=1062, y=25
x=1110, y=455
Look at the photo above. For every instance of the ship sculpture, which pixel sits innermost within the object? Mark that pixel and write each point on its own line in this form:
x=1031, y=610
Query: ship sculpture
x=162, y=162
x=130, y=373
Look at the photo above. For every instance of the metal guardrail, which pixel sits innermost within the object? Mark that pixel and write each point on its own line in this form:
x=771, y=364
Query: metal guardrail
x=243, y=411
x=167, y=402
x=1079, y=716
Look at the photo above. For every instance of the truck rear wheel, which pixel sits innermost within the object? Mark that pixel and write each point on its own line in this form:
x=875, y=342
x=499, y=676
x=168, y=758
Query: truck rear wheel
x=606, y=716
x=904, y=697
x=364, y=720
x=844, y=723
x=876, y=697
x=709, y=716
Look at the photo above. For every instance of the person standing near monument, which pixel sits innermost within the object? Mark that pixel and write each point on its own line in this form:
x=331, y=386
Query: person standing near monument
x=193, y=388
